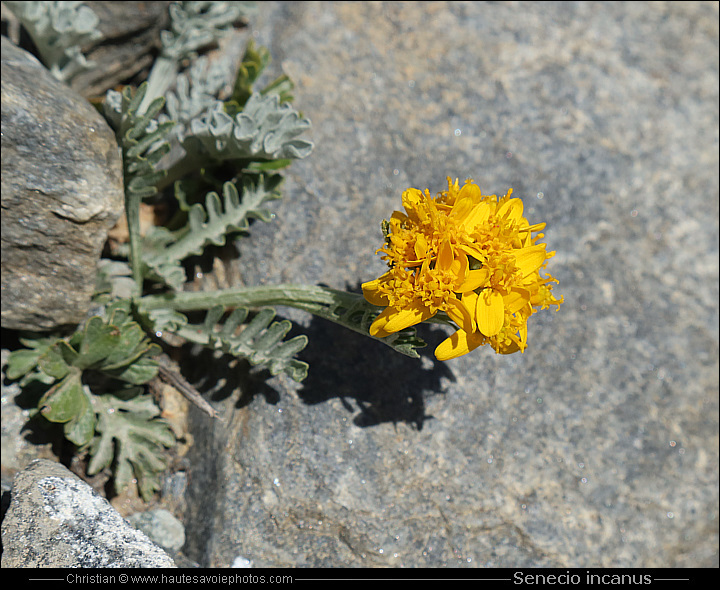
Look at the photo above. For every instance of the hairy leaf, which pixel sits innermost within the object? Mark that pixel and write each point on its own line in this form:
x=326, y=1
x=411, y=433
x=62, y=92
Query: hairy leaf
x=350, y=310
x=114, y=279
x=212, y=223
x=141, y=139
x=260, y=341
x=355, y=313
x=59, y=30
x=264, y=130
x=195, y=92
x=197, y=24
x=130, y=432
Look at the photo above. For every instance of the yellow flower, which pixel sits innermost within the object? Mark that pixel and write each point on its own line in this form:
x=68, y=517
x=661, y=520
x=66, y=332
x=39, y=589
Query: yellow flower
x=468, y=255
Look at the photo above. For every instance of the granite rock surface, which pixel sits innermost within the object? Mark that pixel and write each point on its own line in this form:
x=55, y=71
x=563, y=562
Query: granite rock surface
x=61, y=193
x=596, y=447
x=57, y=520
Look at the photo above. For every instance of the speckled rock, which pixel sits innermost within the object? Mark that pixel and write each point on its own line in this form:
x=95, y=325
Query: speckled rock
x=57, y=520
x=61, y=193
x=596, y=447
x=161, y=526
x=130, y=40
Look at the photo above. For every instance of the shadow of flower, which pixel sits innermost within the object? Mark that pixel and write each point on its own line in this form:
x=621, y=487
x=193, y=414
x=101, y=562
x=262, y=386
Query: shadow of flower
x=385, y=385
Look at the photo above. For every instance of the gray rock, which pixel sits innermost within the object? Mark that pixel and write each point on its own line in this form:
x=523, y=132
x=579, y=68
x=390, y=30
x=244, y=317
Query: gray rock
x=17, y=448
x=61, y=192
x=57, y=520
x=130, y=38
x=596, y=447
x=161, y=526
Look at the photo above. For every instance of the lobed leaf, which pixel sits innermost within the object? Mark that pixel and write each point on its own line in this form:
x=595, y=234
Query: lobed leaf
x=59, y=30
x=21, y=362
x=266, y=129
x=212, y=224
x=64, y=400
x=260, y=341
x=130, y=432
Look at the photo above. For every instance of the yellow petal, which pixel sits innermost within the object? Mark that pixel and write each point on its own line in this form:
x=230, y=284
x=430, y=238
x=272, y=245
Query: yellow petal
x=377, y=328
x=512, y=209
x=470, y=191
x=371, y=293
x=445, y=256
x=461, y=208
x=530, y=259
x=412, y=201
x=474, y=251
x=460, y=314
x=478, y=215
x=516, y=299
x=474, y=280
x=460, y=266
x=420, y=247
x=490, y=312
x=393, y=320
x=469, y=300
x=458, y=344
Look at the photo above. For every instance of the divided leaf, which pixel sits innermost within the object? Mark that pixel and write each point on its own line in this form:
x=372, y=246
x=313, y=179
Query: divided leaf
x=59, y=30
x=254, y=62
x=357, y=315
x=142, y=140
x=113, y=278
x=69, y=403
x=264, y=130
x=194, y=25
x=212, y=223
x=130, y=432
x=259, y=341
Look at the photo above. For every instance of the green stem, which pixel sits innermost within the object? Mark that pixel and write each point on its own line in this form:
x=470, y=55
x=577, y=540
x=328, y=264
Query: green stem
x=161, y=77
x=349, y=310
x=132, y=213
x=306, y=297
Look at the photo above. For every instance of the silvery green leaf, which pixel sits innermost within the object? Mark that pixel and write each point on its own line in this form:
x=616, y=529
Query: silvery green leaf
x=113, y=277
x=112, y=108
x=195, y=92
x=167, y=320
x=212, y=223
x=59, y=30
x=130, y=433
x=260, y=341
x=265, y=129
x=194, y=25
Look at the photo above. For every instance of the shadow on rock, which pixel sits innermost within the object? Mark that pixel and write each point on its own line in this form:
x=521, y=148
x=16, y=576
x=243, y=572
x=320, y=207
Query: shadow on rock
x=385, y=385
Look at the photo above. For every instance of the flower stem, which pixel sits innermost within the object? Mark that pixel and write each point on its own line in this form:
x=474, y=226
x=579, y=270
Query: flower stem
x=350, y=310
x=310, y=298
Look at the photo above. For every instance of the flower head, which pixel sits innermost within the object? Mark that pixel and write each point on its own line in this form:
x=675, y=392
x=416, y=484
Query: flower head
x=471, y=256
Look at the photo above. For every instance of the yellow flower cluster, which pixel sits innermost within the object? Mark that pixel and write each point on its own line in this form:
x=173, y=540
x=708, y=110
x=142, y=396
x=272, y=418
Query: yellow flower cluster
x=469, y=255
